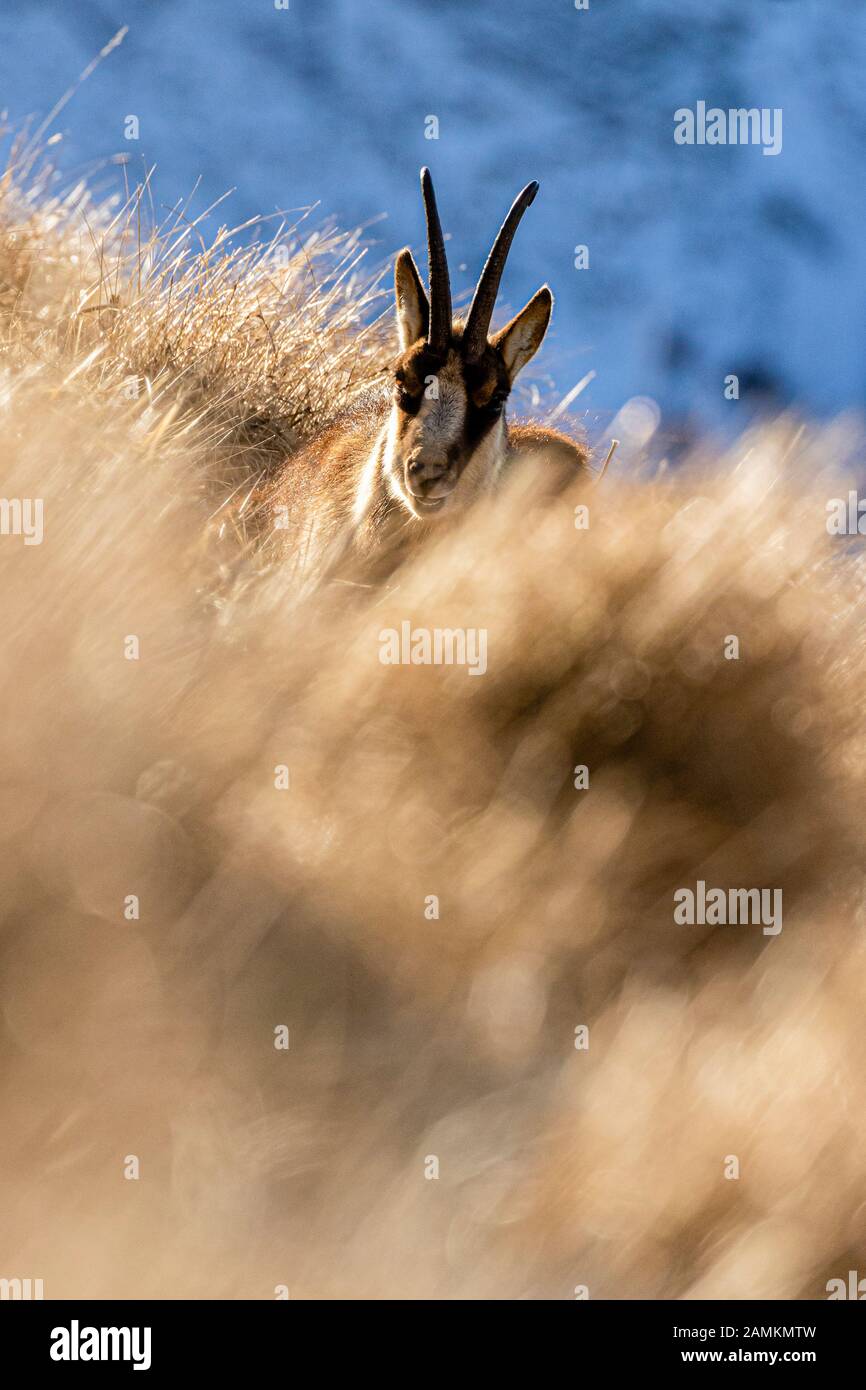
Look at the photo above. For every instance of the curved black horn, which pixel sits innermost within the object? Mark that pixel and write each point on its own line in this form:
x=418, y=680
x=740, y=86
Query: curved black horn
x=481, y=310
x=440, y=285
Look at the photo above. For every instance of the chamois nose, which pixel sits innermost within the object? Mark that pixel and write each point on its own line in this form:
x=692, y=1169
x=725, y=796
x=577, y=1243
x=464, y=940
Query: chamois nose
x=425, y=468
x=422, y=473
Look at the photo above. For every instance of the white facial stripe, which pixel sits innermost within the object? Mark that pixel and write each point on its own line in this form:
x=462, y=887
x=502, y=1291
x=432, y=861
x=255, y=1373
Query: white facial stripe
x=380, y=456
x=391, y=462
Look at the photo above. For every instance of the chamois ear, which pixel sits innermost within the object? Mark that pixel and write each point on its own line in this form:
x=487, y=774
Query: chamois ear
x=520, y=339
x=413, y=307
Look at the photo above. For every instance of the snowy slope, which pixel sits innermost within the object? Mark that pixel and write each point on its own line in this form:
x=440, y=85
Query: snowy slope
x=703, y=260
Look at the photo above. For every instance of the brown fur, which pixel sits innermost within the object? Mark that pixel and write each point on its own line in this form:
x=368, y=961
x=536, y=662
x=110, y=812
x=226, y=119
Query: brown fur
x=529, y=438
x=386, y=471
x=318, y=484
x=313, y=495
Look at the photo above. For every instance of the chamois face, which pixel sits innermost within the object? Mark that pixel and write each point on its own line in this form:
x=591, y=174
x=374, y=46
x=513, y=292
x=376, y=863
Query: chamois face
x=448, y=409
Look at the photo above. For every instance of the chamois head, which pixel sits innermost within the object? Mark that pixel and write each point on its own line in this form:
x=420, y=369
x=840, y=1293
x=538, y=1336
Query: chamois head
x=451, y=381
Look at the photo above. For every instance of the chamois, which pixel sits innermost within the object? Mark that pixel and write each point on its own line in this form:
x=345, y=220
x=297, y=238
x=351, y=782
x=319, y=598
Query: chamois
x=425, y=444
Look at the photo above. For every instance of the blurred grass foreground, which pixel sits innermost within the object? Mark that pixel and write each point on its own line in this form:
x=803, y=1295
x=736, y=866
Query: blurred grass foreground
x=333, y=976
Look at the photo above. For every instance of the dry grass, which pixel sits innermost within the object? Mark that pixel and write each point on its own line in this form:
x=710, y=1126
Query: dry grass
x=305, y=907
x=251, y=336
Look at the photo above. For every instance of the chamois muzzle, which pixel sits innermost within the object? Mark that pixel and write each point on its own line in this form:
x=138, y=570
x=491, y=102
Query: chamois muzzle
x=429, y=480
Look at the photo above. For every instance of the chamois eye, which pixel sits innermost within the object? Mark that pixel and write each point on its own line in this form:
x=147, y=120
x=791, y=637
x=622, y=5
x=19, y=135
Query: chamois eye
x=405, y=399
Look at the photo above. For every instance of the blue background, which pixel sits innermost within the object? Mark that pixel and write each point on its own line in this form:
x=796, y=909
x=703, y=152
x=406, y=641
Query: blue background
x=703, y=260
